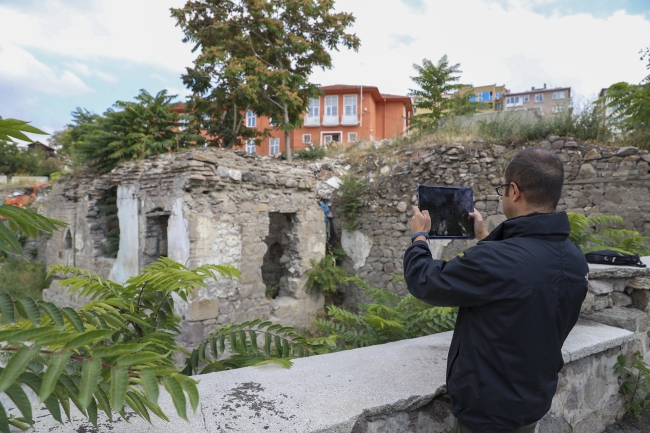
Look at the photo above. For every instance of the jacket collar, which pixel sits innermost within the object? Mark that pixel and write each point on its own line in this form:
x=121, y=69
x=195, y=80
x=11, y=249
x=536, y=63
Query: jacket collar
x=549, y=226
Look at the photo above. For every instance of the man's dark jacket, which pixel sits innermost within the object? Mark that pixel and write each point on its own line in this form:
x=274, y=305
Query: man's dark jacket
x=519, y=291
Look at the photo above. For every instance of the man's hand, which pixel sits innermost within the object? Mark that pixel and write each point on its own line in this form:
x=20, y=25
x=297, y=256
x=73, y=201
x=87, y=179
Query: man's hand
x=421, y=221
x=480, y=231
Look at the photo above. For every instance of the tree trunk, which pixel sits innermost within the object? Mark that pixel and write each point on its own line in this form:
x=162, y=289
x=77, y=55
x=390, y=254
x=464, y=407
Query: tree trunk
x=287, y=140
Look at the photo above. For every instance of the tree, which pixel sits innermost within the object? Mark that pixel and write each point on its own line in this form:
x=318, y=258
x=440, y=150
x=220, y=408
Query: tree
x=133, y=130
x=436, y=82
x=630, y=108
x=14, y=160
x=258, y=55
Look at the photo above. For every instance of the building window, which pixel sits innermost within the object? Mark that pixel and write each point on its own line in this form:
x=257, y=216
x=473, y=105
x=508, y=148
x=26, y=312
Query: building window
x=513, y=101
x=558, y=95
x=352, y=137
x=526, y=98
x=558, y=108
x=539, y=97
x=484, y=96
x=306, y=138
x=499, y=106
x=472, y=98
x=327, y=138
x=273, y=122
x=331, y=106
x=313, y=110
x=350, y=105
x=499, y=95
x=274, y=146
x=251, y=119
x=250, y=146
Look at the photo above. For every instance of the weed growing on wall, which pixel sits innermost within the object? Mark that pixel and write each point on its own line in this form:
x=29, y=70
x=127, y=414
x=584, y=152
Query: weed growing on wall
x=312, y=152
x=351, y=193
x=636, y=383
x=325, y=277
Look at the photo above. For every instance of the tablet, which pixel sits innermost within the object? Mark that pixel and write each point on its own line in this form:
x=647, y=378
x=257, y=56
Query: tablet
x=449, y=208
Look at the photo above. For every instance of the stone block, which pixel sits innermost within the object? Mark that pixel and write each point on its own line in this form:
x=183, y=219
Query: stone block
x=234, y=175
x=557, y=144
x=601, y=302
x=621, y=299
x=203, y=310
x=627, y=151
x=588, y=303
x=641, y=298
x=587, y=171
x=626, y=318
x=600, y=287
x=639, y=283
x=591, y=155
x=192, y=333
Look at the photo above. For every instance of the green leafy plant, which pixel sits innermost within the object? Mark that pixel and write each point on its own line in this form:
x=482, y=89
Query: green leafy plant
x=251, y=343
x=596, y=233
x=272, y=290
x=22, y=221
x=351, y=193
x=388, y=317
x=324, y=276
x=635, y=384
x=314, y=152
x=13, y=129
x=20, y=277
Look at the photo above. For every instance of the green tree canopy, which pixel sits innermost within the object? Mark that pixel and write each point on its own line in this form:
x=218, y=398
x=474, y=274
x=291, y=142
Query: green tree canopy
x=129, y=131
x=630, y=107
x=435, y=83
x=257, y=55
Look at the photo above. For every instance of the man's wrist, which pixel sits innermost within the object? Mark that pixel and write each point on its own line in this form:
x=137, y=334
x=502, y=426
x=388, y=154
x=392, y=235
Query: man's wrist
x=419, y=236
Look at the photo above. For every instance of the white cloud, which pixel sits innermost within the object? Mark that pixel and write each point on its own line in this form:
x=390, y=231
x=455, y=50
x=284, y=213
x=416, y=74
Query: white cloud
x=86, y=71
x=516, y=47
x=139, y=31
x=19, y=68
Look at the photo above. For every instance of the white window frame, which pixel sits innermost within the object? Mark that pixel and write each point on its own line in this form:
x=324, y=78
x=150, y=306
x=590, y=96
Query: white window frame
x=352, y=137
x=499, y=95
x=331, y=115
x=526, y=98
x=251, y=119
x=558, y=95
x=250, y=146
x=513, y=101
x=313, y=112
x=274, y=146
x=350, y=110
x=539, y=97
x=558, y=108
x=307, y=140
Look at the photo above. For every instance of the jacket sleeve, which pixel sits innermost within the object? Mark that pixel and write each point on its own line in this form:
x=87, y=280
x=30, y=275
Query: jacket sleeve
x=461, y=282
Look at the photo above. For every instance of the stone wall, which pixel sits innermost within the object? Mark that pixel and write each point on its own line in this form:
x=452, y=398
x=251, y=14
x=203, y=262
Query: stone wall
x=598, y=180
x=200, y=207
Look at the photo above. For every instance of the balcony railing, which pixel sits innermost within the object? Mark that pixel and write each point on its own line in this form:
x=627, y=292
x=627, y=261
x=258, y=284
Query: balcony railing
x=312, y=121
x=349, y=120
x=330, y=120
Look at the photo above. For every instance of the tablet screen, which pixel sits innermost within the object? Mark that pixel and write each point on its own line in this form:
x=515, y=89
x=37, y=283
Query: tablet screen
x=449, y=208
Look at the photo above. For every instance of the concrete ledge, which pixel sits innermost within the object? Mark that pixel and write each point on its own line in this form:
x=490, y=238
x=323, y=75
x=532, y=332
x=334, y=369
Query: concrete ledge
x=328, y=393
x=608, y=271
x=588, y=338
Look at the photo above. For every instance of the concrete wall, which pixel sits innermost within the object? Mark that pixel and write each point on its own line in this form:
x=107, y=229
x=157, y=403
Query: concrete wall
x=395, y=387
x=216, y=206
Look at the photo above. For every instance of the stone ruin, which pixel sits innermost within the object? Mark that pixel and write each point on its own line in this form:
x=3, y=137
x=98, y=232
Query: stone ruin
x=200, y=207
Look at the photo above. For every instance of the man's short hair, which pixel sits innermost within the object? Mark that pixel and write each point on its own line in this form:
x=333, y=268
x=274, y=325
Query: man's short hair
x=539, y=174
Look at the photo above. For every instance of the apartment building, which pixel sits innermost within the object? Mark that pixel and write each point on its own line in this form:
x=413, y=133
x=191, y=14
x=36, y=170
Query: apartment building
x=550, y=101
x=345, y=114
x=491, y=95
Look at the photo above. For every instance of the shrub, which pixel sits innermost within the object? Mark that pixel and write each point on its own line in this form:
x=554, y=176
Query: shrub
x=351, y=194
x=312, y=152
x=324, y=276
x=596, y=233
x=636, y=383
x=388, y=317
x=20, y=277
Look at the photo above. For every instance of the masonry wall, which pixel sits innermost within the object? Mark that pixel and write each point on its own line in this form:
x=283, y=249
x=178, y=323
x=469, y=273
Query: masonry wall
x=598, y=180
x=199, y=207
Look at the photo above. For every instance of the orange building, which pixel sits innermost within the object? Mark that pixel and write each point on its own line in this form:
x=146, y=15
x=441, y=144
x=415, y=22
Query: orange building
x=344, y=113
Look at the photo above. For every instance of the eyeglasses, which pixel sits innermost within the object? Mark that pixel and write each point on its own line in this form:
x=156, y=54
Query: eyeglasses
x=500, y=188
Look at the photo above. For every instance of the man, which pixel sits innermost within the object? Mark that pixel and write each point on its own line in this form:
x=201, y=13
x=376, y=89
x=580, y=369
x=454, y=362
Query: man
x=328, y=220
x=519, y=291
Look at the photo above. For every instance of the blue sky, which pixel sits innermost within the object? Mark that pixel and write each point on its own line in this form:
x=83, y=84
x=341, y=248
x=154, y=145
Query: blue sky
x=56, y=55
